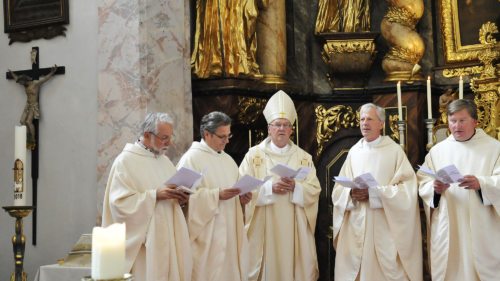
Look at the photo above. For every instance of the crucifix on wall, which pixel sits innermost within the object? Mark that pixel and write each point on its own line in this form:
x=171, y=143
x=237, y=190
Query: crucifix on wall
x=32, y=79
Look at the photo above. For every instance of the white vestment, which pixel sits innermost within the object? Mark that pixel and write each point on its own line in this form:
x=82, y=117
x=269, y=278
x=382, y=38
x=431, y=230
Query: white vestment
x=378, y=243
x=463, y=231
x=157, y=239
x=281, y=227
x=216, y=227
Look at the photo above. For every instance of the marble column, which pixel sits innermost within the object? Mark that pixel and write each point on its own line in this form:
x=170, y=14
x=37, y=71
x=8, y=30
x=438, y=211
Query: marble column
x=143, y=66
x=271, y=42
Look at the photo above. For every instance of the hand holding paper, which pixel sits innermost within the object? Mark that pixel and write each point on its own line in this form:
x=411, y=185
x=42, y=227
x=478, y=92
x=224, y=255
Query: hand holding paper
x=448, y=174
x=365, y=181
x=185, y=179
x=286, y=172
x=248, y=183
x=362, y=181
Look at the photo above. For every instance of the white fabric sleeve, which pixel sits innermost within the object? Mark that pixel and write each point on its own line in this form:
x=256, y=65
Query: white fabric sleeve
x=374, y=198
x=266, y=196
x=484, y=192
x=350, y=204
x=298, y=195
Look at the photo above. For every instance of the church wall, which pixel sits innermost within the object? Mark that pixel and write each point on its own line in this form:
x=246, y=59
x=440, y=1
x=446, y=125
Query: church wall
x=67, y=140
x=123, y=59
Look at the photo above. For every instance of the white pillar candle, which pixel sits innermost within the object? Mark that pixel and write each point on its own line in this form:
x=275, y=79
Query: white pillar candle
x=461, y=88
x=108, y=252
x=20, y=166
x=429, y=99
x=400, y=104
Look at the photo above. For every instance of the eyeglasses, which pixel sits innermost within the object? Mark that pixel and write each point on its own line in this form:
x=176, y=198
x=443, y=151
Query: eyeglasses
x=280, y=125
x=164, y=138
x=228, y=137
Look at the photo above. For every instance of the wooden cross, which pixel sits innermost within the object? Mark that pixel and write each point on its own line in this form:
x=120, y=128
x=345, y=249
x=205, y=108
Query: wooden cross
x=30, y=115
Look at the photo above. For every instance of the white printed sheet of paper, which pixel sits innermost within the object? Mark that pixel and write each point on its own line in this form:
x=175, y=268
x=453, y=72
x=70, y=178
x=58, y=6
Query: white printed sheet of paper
x=364, y=181
x=448, y=174
x=186, y=180
x=286, y=172
x=248, y=183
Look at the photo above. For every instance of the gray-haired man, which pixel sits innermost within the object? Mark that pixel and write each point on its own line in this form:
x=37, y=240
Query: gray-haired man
x=157, y=245
x=376, y=233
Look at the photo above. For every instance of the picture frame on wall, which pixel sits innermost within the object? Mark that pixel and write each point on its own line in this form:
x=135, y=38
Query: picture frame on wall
x=26, y=20
x=461, y=21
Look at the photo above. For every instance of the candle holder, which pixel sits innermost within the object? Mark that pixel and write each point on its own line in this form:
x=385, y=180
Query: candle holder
x=18, y=240
x=429, y=123
x=402, y=129
x=126, y=277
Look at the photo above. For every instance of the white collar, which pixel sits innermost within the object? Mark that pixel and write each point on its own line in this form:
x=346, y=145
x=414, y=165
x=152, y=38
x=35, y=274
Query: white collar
x=203, y=142
x=373, y=143
x=279, y=150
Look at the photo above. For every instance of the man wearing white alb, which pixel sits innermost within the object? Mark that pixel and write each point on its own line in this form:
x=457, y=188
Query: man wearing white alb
x=281, y=218
x=215, y=214
x=463, y=218
x=376, y=231
x=157, y=239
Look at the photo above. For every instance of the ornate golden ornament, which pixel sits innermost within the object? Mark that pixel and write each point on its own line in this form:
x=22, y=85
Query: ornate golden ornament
x=403, y=54
x=486, y=87
x=348, y=54
x=347, y=46
x=490, y=54
x=462, y=71
x=250, y=109
x=406, y=45
x=331, y=120
x=402, y=16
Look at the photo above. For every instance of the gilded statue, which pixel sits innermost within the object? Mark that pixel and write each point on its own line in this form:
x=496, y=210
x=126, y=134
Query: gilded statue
x=446, y=98
x=32, y=89
x=225, y=38
x=343, y=16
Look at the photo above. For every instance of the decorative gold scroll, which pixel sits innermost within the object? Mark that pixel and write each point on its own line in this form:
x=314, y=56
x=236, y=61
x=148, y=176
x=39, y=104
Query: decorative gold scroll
x=250, y=109
x=331, y=120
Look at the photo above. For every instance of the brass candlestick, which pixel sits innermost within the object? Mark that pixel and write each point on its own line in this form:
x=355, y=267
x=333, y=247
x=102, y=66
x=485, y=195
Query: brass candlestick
x=18, y=240
x=429, y=123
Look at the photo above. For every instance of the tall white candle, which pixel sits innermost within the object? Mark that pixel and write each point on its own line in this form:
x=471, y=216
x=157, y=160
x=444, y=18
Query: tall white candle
x=108, y=252
x=429, y=99
x=20, y=166
x=461, y=88
x=400, y=104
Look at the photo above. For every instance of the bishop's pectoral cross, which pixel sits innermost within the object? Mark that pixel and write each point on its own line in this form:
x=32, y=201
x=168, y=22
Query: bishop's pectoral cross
x=32, y=79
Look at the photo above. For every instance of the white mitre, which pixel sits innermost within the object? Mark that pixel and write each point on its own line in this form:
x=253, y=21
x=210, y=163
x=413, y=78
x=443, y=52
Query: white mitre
x=280, y=105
